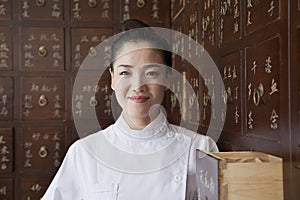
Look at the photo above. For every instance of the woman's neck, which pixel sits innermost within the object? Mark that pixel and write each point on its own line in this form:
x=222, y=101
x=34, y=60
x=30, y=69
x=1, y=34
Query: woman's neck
x=139, y=123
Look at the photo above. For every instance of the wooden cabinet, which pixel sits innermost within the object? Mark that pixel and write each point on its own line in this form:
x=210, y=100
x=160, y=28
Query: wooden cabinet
x=43, y=44
x=255, y=45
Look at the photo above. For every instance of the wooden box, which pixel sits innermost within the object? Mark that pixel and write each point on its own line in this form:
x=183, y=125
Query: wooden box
x=239, y=176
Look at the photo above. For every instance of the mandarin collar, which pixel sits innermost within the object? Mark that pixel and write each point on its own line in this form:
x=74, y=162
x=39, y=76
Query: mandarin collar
x=156, y=128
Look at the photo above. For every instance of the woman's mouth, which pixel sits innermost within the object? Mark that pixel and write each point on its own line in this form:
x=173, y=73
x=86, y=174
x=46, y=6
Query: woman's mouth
x=139, y=99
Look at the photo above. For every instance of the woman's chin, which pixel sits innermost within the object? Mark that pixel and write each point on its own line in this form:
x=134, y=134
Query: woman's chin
x=139, y=115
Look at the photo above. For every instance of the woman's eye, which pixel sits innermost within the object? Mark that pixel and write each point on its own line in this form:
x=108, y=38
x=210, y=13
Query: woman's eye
x=152, y=74
x=124, y=73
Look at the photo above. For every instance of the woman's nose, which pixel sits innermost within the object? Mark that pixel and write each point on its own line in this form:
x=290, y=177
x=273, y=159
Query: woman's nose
x=142, y=88
x=138, y=84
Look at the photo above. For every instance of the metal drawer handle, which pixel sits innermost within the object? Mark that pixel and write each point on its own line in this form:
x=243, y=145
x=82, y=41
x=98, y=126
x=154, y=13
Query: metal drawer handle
x=40, y=3
x=43, y=152
x=258, y=94
x=229, y=95
x=140, y=3
x=92, y=3
x=92, y=51
x=43, y=101
x=93, y=101
x=42, y=51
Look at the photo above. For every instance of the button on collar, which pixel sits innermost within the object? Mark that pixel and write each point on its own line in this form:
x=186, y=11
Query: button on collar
x=181, y=138
x=163, y=128
x=178, y=178
x=170, y=134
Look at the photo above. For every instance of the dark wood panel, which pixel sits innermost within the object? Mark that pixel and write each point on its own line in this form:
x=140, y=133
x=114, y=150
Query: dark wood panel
x=208, y=22
x=295, y=97
x=232, y=76
x=33, y=187
x=5, y=48
x=92, y=97
x=92, y=10
x=263, y=89
x=260, y=13
x=5, y=10
x=190, y=104
x=42, y=148
x=42, y=49
x=177, y=7
x=6, y=150
x=43, y=98
x=85, y=42
x=156, y=10
x=6, y=188
x=174, y=94
x=6, y=98
x=42, y=10
x=229, y=20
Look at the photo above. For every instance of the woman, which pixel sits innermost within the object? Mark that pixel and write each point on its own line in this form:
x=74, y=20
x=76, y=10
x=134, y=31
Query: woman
x=141, y=156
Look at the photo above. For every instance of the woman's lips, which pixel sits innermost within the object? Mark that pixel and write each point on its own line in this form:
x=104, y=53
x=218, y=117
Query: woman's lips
x=139, y=99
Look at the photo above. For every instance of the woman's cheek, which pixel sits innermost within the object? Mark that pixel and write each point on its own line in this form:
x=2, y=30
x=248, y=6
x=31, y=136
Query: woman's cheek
x=121, y=84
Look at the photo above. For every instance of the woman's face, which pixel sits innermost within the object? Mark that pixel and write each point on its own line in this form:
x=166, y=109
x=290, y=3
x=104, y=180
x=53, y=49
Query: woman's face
x=139, y=81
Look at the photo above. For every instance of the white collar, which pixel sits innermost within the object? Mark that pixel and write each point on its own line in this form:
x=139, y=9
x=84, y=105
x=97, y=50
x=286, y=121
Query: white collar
x=156, y=128
x=138, y=151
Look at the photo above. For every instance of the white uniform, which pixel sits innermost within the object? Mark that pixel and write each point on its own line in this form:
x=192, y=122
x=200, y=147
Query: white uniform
x=118, y=163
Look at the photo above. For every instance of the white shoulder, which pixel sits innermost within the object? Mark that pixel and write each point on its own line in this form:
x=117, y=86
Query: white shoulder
x=199, y=141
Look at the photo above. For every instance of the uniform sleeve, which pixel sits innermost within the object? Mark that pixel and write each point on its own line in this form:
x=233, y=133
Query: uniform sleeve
x=211, y=145
x=65, y=184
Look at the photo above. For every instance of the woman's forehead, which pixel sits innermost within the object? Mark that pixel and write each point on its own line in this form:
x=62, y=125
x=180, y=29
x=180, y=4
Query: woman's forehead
x=140, y=57
x=132, y=46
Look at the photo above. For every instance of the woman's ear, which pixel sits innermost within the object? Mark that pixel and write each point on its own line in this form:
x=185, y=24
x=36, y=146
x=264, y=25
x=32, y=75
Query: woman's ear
x=112, y=83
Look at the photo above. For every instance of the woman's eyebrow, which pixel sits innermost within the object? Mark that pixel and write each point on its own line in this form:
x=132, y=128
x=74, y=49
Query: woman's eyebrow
x=152, y=65
x=127, y=66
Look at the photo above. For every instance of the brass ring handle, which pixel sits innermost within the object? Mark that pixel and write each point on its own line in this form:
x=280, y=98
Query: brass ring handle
x=140, y=3
x=229, y=95
x=42, y=51
x=225, y=97
x=261, y=89
x=225, y=8
x=92, y=3
x=40, y=3
x=92, y=51
x=43, y=101
x=256, y=97
x=258, y=94
x=93, y=101
x=43, y=152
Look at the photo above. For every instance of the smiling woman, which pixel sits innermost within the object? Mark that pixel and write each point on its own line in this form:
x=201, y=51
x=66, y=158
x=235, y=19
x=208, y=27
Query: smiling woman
x=137, y=78
x=141, y=156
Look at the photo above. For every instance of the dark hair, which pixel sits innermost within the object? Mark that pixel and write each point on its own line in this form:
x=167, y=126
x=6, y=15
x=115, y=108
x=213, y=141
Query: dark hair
x=137, y=31
x=132, y=24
